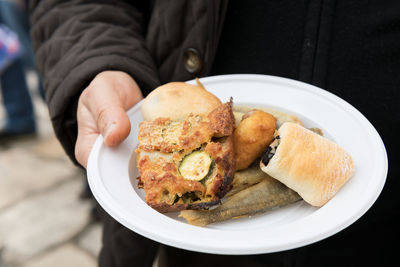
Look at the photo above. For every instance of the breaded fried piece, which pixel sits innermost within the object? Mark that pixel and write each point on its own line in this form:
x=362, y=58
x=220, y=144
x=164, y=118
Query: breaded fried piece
x=253, y=134
x=189, y=163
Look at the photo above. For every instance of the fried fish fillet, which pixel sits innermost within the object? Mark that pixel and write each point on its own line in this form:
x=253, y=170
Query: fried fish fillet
x=188, y=163
x=261, y=197
x=246, y=178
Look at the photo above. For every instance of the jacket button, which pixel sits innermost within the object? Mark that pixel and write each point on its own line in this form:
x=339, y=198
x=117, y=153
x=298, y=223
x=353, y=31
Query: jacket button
x=192, y=60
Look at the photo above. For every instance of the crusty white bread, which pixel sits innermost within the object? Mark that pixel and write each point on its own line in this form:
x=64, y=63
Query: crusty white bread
x=313, y=166
x=176, y=100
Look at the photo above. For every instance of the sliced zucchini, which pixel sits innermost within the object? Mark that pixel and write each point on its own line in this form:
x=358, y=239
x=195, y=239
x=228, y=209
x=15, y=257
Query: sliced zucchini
x=195, y=166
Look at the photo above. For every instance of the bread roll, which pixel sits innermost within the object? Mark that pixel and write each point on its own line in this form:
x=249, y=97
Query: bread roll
x=313, y=166
x=176, y=100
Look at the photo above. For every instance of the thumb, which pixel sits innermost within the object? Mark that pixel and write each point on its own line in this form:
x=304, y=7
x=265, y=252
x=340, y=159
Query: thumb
x=108, y=113
x=107, y=98
x=101, y=110
x=115, y=127
x=113, y=124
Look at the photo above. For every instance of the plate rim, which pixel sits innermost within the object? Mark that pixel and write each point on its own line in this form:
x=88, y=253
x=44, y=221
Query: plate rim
x=109, y=205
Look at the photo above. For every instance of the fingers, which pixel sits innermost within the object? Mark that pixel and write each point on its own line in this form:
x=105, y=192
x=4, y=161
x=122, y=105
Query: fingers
x=108, y=113
x=107, y=98
x=102, y=110
x=87, y=134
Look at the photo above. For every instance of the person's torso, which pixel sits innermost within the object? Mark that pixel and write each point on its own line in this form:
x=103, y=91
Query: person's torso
x=350, y=48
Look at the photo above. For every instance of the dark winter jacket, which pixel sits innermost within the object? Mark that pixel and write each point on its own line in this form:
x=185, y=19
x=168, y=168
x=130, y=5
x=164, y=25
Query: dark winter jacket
x=75, y=40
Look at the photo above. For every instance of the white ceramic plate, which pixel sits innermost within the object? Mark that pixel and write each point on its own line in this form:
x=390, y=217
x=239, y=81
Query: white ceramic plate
x=112, y=175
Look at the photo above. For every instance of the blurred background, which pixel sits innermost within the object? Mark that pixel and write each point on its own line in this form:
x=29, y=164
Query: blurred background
x=44, y=218
x=46, y=211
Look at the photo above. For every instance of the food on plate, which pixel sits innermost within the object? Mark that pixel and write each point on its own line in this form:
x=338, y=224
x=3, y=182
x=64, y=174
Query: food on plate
x=176, y=100
x=238, y=117
x=186, y=163
x=317, y=131
x=281, y=117
x=190, y=145
x=253, y=134
x=263, y=196
x=313, y=166
x=246, y=178
x=196, y=165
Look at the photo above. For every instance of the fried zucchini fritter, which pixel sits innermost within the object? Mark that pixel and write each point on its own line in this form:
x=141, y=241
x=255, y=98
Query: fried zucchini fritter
x=187, y=164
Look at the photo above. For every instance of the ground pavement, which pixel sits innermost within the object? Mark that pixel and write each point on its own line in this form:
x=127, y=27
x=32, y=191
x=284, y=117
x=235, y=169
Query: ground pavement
x=43, y=222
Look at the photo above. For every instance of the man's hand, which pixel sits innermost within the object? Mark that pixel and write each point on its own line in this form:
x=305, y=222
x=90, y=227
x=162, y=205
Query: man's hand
x=101, y=110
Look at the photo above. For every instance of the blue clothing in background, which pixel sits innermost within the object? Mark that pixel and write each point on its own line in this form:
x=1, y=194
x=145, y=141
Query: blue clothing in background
x=10, y=48
x=16, y=97
x=17, y=100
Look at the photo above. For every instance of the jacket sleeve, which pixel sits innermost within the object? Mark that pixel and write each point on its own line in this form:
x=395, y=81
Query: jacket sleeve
x=74, y=41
